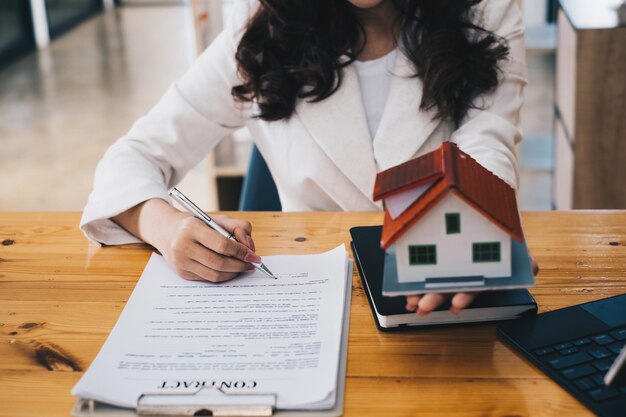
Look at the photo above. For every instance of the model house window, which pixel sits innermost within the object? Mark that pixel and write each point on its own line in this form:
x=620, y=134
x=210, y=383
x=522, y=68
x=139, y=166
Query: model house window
x=486, y=252
x=422, y=254
x=453, y=223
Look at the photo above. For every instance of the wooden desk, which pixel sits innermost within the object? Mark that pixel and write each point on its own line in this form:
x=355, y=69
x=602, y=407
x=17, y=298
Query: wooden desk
x=60, y=296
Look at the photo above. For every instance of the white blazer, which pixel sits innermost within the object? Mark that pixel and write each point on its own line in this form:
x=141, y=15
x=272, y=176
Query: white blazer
x=323, y=157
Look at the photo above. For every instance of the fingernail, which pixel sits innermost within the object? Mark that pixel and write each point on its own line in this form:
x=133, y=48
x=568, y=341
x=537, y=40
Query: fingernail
x=251, y=243
x=252, y=258
x=420, y=313
x=454, y=310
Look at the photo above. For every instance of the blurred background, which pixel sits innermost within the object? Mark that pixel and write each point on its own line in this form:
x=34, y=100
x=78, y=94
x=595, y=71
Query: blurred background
x=75, y=74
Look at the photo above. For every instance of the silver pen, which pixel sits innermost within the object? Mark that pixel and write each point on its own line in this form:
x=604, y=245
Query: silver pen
x=195, y=210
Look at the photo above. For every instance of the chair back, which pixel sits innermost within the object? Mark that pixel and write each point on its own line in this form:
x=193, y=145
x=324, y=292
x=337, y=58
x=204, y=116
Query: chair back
x=258, y=192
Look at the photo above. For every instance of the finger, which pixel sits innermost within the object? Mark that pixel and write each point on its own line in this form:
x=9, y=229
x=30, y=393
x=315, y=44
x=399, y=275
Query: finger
x=189, y=276
x=462, y=300
x=183, y=272
x=231, y=224
x=241, y=229
x=412, y=301
x=217, y=243
x=213, y=260
x=251, y=244
x=208, y=274
x=430, y=302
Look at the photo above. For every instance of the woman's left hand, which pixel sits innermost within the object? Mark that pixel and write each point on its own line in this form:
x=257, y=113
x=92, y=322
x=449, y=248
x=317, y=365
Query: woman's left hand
x=423, y=304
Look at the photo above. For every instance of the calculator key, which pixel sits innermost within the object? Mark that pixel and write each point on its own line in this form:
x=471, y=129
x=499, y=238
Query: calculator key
x=603, y=393
x=544, y=351
x=562, y=346
x=568, y=351
x=582, y=342
x=602, y=365
x=599, y=353
x=585, y=384
x=615, y=347
x=619, y=334
x=603, y=339
x=570, y=360
x=578, y=371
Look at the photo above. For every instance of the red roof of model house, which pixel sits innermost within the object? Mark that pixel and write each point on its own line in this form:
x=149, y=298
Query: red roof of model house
x=447, y=170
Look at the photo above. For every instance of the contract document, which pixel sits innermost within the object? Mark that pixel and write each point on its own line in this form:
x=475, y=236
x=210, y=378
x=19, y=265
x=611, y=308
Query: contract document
x=250, y=335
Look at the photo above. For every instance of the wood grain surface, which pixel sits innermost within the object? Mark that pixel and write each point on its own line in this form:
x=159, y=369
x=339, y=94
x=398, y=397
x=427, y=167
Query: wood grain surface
x=60, y=295
x=599, y=128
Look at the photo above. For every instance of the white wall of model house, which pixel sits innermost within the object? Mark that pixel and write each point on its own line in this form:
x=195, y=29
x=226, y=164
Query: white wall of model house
x=454, y=251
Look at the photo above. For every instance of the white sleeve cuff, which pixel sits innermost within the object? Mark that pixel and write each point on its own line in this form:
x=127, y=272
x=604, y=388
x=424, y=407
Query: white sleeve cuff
x=96, y=221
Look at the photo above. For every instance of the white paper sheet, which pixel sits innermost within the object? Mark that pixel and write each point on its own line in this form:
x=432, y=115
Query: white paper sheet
x=249, y=335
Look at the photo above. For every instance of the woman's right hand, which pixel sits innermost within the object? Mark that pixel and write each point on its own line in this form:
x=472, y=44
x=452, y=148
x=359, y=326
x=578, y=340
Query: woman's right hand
x=194, y=250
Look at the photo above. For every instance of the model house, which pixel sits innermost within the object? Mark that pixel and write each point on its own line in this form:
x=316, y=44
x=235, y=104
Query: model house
x=447, y=218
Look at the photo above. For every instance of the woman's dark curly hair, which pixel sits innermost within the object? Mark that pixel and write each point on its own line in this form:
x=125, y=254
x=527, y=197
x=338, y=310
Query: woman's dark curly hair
x=296, y=49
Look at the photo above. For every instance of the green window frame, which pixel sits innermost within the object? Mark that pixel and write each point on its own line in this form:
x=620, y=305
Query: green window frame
x=486, y=252
x=422, y=254
x=453, y=223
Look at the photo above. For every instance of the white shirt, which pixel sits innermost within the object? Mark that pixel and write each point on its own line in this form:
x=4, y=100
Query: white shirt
x=374, y=80
x=322, y=157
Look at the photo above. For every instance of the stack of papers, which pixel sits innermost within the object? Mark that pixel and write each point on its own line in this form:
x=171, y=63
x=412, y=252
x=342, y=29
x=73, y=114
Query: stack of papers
x=250, y=335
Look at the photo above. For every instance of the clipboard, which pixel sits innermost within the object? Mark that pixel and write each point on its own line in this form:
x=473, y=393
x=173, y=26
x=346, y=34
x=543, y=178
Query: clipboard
x=211, y=401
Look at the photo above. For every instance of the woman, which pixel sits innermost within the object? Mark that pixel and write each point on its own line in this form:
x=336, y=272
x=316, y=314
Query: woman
x=333, y=91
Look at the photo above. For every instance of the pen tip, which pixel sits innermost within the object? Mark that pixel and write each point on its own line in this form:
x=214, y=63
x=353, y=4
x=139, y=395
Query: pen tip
x=267, y=271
